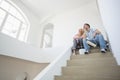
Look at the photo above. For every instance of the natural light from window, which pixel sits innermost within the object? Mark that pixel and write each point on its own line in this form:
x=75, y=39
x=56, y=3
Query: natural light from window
x=13, y=21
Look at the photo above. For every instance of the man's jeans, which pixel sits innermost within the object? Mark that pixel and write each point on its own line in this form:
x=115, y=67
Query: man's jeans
x=98, y=40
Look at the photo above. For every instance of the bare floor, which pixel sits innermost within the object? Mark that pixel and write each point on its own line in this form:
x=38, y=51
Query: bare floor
x=17, y=69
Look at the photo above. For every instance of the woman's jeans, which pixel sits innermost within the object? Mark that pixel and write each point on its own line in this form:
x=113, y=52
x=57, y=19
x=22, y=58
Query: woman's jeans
x=76, y=42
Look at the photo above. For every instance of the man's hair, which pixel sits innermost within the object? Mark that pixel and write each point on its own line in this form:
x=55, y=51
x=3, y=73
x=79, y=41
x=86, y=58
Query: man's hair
x=87, y=24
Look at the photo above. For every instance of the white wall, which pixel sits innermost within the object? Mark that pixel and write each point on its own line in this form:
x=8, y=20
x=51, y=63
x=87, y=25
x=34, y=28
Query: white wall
x=67, y=24
x=110, y=13
x=14, y=48
x=69, y=21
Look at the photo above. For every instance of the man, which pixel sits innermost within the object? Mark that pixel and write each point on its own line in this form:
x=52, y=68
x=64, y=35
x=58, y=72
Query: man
x=95, y=36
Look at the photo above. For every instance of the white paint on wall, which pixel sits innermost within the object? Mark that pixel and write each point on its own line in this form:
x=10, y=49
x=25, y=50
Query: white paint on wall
x=14, y=48
x=110, y=14
x=67, y=24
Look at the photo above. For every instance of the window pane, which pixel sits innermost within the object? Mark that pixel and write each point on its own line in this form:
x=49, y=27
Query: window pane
x=1, y=1
x=47, y=38
x=12, y=10
x=23, y=32
x=11, y=26
x=2, y=15
x=15, y=18
x=5, y=5
x=47, y=41
x=18, y=15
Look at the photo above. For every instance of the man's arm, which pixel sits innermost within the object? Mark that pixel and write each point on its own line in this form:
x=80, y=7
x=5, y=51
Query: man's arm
x=96, y=32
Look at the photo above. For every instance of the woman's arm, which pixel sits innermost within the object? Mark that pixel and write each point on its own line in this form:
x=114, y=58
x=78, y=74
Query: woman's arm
x=76, y=36
x=84, y=35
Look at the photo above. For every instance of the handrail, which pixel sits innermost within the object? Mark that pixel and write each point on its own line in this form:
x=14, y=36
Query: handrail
x=54, y=68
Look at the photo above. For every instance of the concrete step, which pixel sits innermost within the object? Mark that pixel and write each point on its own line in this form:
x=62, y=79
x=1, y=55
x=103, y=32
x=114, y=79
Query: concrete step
x=85, y=73
x=97, y=50
x=74, y=68
x=86, y=78
x=90, y=62
x=95, y=66
x=98, y=60
x=94, y=59
x=95, y=55
x=90, y=71
x=92, y=51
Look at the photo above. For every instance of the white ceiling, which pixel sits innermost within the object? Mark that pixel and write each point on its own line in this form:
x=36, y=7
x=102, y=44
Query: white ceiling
x=44, y=8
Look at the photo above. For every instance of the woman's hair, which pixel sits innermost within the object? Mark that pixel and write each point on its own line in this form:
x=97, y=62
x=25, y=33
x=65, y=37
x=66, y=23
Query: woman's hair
x=81, y=31
x=87, y=24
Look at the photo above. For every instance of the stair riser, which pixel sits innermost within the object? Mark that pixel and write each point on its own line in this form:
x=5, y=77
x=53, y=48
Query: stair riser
x=98, y=65
x=88, y=76
x=97, y=55
x=71, y=72
x=85, y=57
x=93, y=74
x=92, y=60
x=74, y=58
x=91, y=69
x=91, y=63
x=62, y=78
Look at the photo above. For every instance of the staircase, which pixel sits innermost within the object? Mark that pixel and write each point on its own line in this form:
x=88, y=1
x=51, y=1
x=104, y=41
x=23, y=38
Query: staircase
x=94, y=66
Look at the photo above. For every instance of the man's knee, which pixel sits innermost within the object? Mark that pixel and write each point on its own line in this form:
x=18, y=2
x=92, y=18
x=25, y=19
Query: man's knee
x=100, y=35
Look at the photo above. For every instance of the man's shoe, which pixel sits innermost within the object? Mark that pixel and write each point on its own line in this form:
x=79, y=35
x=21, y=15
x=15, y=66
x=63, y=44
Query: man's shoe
x=86, y=52
x=106, y=49
x=103, y=51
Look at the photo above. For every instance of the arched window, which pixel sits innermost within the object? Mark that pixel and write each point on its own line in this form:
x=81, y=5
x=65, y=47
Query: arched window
x=47, y=35
x=12, y=21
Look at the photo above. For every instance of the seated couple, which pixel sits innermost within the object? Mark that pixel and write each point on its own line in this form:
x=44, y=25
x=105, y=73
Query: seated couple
x=89, y=34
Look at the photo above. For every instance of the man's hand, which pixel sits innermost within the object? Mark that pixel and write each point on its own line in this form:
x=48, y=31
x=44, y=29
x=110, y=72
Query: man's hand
x=96, y=32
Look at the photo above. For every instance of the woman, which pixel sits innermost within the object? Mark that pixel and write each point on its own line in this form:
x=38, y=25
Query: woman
x=77, y=40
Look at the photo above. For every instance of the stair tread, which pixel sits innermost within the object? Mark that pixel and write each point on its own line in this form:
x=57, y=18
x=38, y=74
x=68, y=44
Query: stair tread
x=86, y=78
x=91, y=64
x=92, y=61
x=91, y=67
x=99, y=58
x=92, y=71
x=92, y=55
x=79, y=70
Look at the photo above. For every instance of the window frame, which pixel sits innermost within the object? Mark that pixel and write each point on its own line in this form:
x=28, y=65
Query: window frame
x=21, y=22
